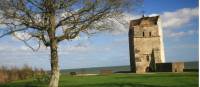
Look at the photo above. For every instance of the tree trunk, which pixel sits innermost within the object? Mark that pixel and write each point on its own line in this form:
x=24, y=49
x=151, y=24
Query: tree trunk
x=55, y=72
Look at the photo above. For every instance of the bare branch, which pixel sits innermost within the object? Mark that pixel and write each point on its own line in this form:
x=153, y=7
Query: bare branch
x=41, y=37
x=85, y=24
x=11, y=32
x=27, y=44
x=36, y=15
x=36, y=4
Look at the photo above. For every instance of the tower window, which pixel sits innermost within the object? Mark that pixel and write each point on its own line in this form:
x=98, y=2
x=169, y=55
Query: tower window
x=143, y=34
x=148, y=58
x=149, y=33
x=137, y=59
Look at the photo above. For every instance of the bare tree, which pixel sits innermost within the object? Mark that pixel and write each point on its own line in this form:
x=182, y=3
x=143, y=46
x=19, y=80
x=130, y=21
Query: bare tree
x=52, y=21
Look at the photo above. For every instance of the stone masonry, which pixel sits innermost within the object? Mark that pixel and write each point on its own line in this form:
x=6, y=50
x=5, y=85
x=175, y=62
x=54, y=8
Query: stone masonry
x=146, y=44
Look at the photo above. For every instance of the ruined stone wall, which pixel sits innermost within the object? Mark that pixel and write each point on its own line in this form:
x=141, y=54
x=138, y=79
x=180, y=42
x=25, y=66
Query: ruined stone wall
x=170, y=67
x=163, y=67
x=177, y=67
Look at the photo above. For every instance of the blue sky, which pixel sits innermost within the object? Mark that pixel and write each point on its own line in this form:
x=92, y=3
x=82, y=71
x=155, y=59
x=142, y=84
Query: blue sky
x=180, y=27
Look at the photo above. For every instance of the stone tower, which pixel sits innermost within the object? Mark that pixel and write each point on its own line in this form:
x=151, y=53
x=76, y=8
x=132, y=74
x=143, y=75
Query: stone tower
x=146, y=44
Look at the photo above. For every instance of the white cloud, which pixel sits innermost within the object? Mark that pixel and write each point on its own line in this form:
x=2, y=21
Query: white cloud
x=121, y=24
x=178, y=18
x=21, y=35
x=24, y=48
x=76, y=48
x=170, y=20
x=180, y=33
x=151, y=15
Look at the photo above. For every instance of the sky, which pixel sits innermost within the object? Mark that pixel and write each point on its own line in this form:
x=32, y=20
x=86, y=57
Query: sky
x=180, y=28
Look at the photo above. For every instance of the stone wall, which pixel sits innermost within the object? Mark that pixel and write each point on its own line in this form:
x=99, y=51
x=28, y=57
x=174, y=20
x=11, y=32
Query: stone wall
x=163, y=67
x=170, y=67
x=177, y=67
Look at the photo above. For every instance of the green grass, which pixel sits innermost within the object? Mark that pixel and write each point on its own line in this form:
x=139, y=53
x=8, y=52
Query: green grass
x=119, y=80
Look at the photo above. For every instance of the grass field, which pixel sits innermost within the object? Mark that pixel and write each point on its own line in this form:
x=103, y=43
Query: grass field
x=119, y=80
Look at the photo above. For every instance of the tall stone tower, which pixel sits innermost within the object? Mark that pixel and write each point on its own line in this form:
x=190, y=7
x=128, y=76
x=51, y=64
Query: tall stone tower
x=146, y=44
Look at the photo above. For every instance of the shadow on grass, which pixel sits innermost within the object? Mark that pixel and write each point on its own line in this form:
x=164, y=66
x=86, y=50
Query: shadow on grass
x=123, y=72
x=86, y=85
x=89, y=85
x=161, y=75
x=112, y=85
x=26, y=84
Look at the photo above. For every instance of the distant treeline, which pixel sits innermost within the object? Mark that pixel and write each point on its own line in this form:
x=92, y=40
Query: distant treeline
x=14, y=73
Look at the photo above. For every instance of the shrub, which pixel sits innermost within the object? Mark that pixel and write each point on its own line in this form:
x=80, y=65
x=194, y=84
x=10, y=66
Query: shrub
x=14, y=73
x=105, y=72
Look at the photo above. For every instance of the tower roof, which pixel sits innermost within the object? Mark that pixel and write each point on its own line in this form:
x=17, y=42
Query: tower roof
x=153, y=19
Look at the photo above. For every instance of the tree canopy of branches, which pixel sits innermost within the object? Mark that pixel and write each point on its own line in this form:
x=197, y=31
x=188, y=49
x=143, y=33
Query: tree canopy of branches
x=52, y=21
